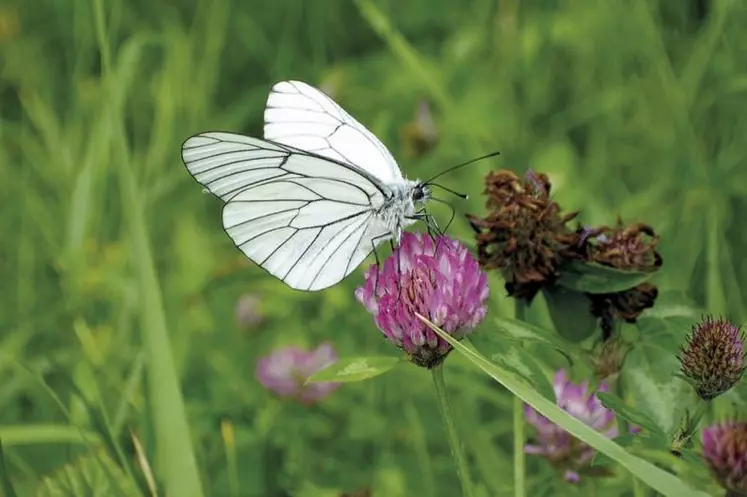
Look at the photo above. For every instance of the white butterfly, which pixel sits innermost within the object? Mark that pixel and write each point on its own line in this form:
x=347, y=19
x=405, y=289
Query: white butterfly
x=313, y=199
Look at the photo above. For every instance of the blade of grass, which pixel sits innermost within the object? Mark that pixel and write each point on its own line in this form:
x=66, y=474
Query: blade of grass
x=520, y=314
x=174, y=453
x=175, y=458
x=5, y=484
x=31, y=434
x=429, y=76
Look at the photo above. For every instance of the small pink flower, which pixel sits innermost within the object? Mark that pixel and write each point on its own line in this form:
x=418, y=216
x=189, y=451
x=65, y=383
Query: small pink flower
x=444, y=285
x=285, y=370
x=562, y=449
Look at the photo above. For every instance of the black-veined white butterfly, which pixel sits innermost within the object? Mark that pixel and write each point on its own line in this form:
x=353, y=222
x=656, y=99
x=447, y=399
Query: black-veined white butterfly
x=313, y=199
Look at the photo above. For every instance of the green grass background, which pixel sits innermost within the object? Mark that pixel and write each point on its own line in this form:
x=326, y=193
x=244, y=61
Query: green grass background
x=119, y=285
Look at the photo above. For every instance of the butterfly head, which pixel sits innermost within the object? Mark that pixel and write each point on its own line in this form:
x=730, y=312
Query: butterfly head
x=420, y=193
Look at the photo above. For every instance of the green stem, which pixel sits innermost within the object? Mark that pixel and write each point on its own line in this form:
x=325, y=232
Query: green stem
x=519, y=436
x=623, y=427
x=639, y=489
x=519, y=465
x=454, y=443
x=689, y=425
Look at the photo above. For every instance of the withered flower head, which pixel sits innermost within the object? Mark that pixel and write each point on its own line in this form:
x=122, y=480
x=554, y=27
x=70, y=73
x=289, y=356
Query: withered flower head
x=524, y=235
x=631, y=248
x=714, y=357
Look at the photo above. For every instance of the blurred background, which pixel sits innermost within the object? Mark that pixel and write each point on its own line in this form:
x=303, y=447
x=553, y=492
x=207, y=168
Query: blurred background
x=118, y=282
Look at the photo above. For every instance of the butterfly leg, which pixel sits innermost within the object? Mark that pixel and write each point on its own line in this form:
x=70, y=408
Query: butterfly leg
x=374, y=242
x=399, y=268
x=423, y=216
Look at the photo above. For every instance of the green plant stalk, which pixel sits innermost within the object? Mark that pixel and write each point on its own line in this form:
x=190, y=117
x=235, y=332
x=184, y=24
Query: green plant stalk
x=5, y=483
x=229, y=446
x=639, y=490
x=519, y=457
x=689, y=425
x=520, y=313
x=454, y=443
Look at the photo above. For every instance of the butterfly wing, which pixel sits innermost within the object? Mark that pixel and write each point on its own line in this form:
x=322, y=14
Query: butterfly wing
x=303, y=117
x=305, y=219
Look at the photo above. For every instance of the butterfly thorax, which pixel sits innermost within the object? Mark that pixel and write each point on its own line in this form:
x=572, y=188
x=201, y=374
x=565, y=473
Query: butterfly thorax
x=402, y=205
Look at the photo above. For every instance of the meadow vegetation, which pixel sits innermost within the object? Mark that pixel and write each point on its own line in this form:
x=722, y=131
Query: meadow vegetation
x=131, y=327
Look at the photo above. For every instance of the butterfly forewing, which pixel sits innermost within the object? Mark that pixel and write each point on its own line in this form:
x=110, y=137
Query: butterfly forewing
x=305, y=219
x=303, y=117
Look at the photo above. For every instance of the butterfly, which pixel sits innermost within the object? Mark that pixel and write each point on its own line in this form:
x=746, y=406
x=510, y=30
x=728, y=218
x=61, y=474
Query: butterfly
x=315, y=197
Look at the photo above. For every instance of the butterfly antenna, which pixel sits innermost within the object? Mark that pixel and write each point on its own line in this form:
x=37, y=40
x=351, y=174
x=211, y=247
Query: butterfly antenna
x=460, y=195
x=463, y=164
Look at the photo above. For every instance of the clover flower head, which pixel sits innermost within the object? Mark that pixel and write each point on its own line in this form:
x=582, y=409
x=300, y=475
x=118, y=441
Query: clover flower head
x=714, y=357
x=725, y=454
x=434, y=277
x=285, y=370
x=559, y=447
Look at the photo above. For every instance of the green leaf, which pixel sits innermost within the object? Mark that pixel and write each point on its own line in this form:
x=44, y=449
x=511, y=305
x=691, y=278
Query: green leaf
x=570, y=313
x=672, y=304
x=628, y=413
x=650, y=373
x=94, y=475
x=5, y=484
x=354, y=369
x=658, y=479
x=523, y=332
x=595, y=278
x=513, y=357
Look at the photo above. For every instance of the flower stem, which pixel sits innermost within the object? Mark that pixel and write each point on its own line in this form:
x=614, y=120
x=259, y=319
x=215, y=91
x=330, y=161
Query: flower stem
x=616, y=383
x=454, y=443
x=689, y=425
x=639, y=490
x=519, y=437
x=519, y=483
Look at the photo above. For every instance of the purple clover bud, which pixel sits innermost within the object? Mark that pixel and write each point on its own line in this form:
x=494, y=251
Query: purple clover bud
x=559, y=447
x=285, y=370
x=725, y=453
x=714, y=358
x=444, y=285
